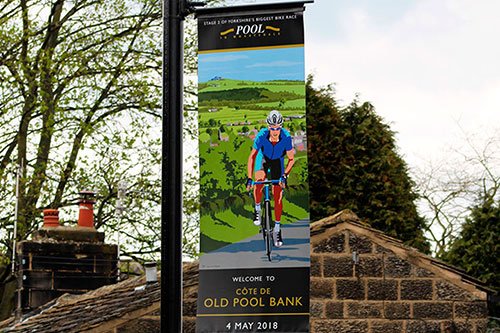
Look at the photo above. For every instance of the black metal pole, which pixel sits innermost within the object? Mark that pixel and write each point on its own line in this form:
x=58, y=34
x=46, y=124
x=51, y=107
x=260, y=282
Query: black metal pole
x=171, y=203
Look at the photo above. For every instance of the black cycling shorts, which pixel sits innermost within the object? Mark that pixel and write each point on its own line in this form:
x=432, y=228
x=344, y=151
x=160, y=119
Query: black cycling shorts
x=273, y=168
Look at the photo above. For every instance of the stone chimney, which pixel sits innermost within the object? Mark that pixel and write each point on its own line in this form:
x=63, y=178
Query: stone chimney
x=62, y=260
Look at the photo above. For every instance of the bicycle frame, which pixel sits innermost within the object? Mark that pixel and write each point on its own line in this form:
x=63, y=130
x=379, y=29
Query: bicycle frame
x=266, y=222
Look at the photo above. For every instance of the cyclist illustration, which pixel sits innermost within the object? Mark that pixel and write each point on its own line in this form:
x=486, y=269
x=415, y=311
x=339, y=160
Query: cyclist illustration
x=267, y=160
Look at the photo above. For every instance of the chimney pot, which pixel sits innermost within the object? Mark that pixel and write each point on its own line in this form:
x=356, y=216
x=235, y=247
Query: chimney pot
x=50, y=218
x=86, y=209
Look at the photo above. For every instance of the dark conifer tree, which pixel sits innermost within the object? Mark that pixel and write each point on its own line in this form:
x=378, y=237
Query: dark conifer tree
x=477, y=248
x=353, y=164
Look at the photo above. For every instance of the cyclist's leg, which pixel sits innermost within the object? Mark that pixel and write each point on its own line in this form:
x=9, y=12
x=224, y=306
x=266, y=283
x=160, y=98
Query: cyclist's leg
x=278, y=208
x=260, y=175
x=257, y=192
x=278, y=202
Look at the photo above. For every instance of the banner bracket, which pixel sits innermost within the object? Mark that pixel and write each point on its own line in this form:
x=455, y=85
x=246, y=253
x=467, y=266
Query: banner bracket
x=248, y=9
x=189, y=7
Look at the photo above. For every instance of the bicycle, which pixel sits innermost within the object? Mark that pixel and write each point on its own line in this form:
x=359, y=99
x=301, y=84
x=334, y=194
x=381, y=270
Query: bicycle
x=265, y=225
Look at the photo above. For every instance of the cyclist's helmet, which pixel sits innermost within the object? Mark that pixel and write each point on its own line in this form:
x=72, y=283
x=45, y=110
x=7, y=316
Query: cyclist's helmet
x=274, y=118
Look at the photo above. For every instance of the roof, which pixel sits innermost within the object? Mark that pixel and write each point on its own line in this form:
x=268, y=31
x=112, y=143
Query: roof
x=347, y=220
x=77, y=313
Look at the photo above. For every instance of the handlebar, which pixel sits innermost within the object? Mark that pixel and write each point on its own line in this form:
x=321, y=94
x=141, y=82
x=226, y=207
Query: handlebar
x=267, y=182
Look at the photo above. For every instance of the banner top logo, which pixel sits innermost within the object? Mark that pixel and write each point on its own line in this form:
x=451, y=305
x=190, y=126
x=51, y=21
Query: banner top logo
x=239, y=32
x=249, y=31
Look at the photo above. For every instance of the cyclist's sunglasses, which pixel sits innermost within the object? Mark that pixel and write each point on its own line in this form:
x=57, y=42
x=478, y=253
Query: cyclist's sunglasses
x=274, y=128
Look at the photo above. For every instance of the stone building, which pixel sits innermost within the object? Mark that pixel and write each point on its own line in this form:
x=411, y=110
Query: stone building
x=362, y=281
x=365, y=281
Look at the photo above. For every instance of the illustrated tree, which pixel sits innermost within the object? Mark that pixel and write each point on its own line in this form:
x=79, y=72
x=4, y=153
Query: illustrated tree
x=353, y=164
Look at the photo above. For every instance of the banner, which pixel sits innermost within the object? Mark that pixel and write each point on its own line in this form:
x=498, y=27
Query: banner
x=254, y=219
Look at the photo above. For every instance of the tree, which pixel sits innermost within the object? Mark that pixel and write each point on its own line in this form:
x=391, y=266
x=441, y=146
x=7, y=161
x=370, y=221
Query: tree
x=462, y=198
x=450, y=187
x=443, y=201
x=79, y=100
x=79, y=96
x=353, y=164
x=476, y=249
x=212, y=122
x=80, y=108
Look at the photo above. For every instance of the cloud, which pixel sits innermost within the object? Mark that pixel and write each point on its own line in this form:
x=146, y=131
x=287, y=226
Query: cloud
x=292, y=75
x=279, y=63
x=427, y=69
x=223, y=58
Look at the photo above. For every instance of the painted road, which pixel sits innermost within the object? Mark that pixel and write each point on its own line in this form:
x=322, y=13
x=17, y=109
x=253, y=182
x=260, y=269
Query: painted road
x=251, y=252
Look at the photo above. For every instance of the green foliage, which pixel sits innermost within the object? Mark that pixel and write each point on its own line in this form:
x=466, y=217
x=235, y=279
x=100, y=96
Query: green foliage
x=246, y=95
x=79, y=99
x=8, y=287
x=243, y=94
x=80, y=108
x=477, y=248
x=353, y=164
x=229, y=95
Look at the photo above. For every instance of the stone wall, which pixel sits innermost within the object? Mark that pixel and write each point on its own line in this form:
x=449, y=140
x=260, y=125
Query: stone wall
x=384, y=293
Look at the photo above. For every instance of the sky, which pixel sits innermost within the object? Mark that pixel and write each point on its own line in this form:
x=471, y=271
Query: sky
x=431, y=68
x=254, y=65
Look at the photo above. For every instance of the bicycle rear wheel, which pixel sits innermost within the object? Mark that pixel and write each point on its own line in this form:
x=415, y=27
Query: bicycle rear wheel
x=267, y=229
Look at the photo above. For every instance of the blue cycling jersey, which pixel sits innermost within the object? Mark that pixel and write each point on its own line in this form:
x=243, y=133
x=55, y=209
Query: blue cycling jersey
x=270, y=151
x=272, y=155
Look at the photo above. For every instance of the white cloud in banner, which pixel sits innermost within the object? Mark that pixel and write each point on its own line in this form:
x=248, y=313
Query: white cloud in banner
x=291, y=75
x=281, y=63
x=225, y=58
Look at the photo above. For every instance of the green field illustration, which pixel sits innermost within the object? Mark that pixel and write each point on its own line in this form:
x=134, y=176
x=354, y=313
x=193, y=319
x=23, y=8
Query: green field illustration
x=231, y=113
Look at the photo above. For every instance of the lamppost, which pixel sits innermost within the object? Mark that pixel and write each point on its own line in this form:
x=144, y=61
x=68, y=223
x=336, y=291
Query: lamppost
x=174, y=13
